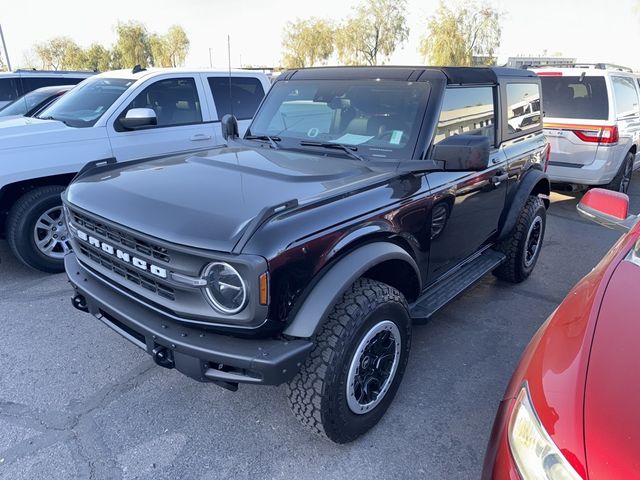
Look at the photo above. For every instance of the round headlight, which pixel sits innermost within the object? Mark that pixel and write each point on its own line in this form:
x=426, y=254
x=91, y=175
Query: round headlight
x=225, y=288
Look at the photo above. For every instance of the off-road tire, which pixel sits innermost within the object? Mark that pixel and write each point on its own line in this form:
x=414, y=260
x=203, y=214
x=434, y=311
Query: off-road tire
x=515, y=269
x=317, y=395
x=618, y=184
x=20, y=224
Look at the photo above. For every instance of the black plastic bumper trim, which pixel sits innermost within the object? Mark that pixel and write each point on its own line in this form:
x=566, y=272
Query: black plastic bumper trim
x=199, y=354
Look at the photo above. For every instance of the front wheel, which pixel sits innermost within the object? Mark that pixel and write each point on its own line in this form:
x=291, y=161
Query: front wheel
x=356, y=365
x=36, y=231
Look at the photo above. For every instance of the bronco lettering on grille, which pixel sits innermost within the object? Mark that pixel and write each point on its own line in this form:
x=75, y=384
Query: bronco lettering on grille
x=121, y=255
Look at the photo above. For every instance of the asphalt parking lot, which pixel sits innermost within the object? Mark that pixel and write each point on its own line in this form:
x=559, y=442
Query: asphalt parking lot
x=78, y=401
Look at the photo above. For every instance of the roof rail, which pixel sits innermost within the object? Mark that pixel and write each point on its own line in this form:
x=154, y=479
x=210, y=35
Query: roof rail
x=608, y=66
x=596, y=66
x=553, y=65
x=34, y=70
x=138, y=69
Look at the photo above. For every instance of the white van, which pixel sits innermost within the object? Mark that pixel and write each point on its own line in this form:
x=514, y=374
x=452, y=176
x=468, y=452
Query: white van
x=592, y=122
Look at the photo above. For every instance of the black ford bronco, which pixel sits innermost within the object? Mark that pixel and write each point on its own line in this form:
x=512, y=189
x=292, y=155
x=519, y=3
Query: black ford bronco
x=359, y=201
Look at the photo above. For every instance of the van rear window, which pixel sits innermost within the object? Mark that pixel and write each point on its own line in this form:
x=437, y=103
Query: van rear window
x=570, y=97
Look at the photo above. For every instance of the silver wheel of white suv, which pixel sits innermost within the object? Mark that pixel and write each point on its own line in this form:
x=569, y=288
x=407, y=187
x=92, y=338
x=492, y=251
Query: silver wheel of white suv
x=50, y=234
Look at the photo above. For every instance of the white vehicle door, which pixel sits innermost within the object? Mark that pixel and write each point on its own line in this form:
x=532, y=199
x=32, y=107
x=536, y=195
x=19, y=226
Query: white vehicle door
x=625, y=91
x=183, y=120
x=239, y=95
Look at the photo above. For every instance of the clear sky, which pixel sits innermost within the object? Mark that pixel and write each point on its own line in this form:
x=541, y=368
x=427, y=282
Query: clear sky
x=591, y=30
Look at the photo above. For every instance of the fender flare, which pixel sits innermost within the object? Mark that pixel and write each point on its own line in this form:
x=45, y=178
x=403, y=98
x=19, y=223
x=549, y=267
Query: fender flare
x=332, y=285
x=534, y=181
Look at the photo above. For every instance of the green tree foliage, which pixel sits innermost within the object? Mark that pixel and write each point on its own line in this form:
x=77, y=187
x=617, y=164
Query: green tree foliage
x=97, y=57
x=169, y=50
x=59, y=53
x=373, y=33
x=132, y=45
x=177, y=45
x=307, y=43
x=457, y=34
x=158, y=50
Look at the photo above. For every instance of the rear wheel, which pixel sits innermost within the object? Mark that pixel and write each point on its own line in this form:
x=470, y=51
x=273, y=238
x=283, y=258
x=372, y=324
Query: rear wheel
x=36, y=231
x=522, y=246
x=622, y=180
x=356, y=365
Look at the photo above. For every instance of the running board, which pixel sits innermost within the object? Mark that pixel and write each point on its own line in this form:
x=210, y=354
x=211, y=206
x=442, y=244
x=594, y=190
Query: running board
x=448, y=288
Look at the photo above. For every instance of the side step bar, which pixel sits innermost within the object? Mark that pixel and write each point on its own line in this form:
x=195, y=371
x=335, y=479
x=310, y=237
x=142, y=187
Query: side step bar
x=446, y=289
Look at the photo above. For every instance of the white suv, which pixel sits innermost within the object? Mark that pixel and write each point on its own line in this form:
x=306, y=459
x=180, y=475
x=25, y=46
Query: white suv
x=121, y=115
x=592, y=122
x=15, y=84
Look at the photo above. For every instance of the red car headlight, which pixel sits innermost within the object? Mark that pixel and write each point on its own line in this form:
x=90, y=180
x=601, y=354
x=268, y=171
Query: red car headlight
x=534, y=453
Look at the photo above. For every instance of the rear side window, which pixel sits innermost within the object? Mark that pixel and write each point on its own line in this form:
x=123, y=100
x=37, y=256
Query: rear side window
x=32, y=83
x=626, y=96
x=174, y=100
x=239, y=96
x=469, y=111
x=575, y=97
x=523, y=107
x=8, y=89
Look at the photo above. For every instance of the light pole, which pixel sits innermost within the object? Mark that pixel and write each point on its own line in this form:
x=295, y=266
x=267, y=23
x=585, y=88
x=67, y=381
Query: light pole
x=4, y=46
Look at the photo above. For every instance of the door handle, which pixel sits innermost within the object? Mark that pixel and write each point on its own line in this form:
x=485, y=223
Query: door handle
x=499, y=178
x=199, y=137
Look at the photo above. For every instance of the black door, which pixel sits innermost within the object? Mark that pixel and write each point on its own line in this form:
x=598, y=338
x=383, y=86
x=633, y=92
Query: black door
x=467, y=205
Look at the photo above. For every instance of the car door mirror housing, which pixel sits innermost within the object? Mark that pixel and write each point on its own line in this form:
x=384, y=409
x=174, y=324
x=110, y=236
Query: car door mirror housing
x=608, y=208
x=139, y=118
x=229, y=125
x=463, y=153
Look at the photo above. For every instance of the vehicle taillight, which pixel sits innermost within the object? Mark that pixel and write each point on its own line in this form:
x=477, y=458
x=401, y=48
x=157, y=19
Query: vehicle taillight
x=549, y=74
x=607, y=135
x=602, y=134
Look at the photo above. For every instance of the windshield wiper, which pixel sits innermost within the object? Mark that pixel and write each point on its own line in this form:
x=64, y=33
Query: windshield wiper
x=49, y=117
x=348, y=149
x=267, y=138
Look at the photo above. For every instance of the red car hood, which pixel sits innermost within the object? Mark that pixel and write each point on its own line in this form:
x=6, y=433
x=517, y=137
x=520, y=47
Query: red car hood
x=612, y=394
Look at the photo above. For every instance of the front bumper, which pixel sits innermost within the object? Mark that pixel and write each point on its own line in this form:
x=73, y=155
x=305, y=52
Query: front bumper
x=197, y=353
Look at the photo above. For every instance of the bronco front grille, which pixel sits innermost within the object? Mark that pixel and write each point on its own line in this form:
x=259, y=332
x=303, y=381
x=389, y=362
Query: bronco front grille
x=120, y=237
x=128, y=273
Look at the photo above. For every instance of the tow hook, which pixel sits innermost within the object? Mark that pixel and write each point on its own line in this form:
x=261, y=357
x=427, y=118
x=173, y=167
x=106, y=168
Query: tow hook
x=79, y=302
x=162, y=356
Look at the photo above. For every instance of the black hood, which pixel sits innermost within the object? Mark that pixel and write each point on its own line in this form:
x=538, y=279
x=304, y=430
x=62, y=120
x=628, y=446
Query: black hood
x=206, y=200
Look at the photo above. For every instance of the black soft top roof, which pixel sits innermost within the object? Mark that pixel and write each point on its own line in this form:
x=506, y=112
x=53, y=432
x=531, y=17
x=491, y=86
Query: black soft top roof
x=453, y=75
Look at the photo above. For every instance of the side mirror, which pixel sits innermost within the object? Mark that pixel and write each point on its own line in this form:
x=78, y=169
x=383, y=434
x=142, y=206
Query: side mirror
x=608, y=208
x=229, y=126
x=463, y=153
x=139, y=118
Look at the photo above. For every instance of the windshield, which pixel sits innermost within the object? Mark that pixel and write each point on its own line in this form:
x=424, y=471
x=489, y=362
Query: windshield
x=575, y=97
x=85, y=104
x=22, y=105
x=379, y=118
